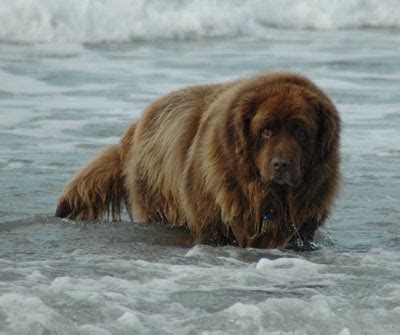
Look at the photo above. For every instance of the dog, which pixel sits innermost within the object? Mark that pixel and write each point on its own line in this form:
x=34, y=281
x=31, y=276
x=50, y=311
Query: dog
x=253, y=162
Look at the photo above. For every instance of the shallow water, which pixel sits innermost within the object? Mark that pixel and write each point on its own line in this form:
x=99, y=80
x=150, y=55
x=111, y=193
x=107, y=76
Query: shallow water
x=61, y=100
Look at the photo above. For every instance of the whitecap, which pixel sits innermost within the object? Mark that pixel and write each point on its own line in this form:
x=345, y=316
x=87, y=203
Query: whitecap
x=109, y=20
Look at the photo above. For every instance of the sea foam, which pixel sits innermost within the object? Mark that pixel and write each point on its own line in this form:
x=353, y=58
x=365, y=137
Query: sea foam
x=93, y=21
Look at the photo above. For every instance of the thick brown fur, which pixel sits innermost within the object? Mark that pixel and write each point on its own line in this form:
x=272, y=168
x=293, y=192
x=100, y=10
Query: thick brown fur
x=218, y=159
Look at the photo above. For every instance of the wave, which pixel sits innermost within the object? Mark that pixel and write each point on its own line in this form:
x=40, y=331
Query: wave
x=92, y=21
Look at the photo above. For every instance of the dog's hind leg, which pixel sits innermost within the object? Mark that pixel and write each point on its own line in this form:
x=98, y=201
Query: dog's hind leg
x=98, y=191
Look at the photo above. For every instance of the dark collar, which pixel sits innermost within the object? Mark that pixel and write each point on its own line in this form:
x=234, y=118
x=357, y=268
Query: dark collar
x=269, y=216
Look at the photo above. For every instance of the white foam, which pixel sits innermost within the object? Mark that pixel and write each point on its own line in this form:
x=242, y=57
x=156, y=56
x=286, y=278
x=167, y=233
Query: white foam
x=131, y=321
x=378, y=256
x=36, y=277
x=245, y=316
x=26, y=314
x=93, y=330
x=18, y=84
x=287, y=315
x=243, y=310
x=336, y=84
x=150, y=296
x=295, y=264
x=197, y=250
x=12, y=119
x=123, y=20
x=48, y=128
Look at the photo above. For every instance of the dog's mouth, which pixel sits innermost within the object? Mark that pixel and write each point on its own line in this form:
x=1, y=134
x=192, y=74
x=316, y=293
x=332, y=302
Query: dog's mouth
x=284, y=179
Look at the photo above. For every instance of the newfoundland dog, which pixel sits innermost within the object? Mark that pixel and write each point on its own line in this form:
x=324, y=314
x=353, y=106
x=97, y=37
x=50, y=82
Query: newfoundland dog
x=253, y=162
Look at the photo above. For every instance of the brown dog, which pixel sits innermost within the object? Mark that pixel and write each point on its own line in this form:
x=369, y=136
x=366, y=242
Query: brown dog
x=253, y=162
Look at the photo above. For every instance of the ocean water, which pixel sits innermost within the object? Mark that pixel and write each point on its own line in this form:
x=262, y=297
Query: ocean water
x=74, y=75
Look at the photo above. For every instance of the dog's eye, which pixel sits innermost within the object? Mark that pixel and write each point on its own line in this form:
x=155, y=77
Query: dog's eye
x=300, y=134
x=266, y=134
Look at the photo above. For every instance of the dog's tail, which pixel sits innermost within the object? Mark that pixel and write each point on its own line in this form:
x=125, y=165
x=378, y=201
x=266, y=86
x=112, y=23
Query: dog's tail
x=98, y=191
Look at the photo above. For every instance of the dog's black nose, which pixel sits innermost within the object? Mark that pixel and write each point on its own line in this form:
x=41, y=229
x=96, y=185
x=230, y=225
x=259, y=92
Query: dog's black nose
x=281, y=164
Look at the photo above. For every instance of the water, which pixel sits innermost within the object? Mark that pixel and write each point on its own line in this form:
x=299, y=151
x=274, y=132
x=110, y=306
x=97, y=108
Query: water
x=71, y=83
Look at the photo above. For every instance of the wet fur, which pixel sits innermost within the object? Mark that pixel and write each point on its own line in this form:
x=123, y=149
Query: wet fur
x=194, y=159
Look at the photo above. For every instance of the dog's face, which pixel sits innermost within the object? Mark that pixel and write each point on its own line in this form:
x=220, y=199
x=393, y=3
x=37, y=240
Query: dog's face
x=285, y=129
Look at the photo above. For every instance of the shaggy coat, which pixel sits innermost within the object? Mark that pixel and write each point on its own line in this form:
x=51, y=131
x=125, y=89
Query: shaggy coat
x=254, y=162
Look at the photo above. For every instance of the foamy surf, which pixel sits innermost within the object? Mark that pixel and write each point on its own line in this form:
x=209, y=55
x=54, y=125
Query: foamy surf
x=87, y=21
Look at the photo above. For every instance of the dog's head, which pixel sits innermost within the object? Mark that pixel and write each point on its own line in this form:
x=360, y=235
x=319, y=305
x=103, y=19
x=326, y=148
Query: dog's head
x=286, y=129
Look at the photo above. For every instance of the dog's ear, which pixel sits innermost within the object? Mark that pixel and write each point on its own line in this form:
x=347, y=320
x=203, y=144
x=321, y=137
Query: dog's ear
x=329, y=129
x=244, y=110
